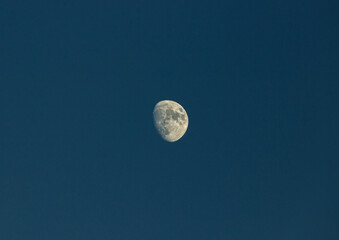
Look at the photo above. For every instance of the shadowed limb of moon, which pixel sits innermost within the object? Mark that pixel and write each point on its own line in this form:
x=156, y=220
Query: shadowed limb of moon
x=170, y=120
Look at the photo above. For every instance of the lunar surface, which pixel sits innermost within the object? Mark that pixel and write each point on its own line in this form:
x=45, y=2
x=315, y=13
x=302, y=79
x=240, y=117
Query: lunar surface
x=170, y=120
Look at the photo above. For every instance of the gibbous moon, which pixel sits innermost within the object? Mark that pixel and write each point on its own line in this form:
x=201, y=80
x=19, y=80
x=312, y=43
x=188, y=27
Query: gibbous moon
x=170, y=120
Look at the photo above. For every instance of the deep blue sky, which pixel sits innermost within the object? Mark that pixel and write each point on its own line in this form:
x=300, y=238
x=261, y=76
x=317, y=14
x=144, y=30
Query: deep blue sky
x=81, y=159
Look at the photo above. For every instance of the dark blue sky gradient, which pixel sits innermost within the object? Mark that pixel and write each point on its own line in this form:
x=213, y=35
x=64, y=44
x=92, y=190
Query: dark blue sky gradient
x=80, y=158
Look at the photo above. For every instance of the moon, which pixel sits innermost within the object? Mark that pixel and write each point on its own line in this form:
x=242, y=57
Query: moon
x=170, y=120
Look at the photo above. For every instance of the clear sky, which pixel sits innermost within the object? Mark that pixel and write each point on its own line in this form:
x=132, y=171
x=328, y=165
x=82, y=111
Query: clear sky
x=81, y=159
